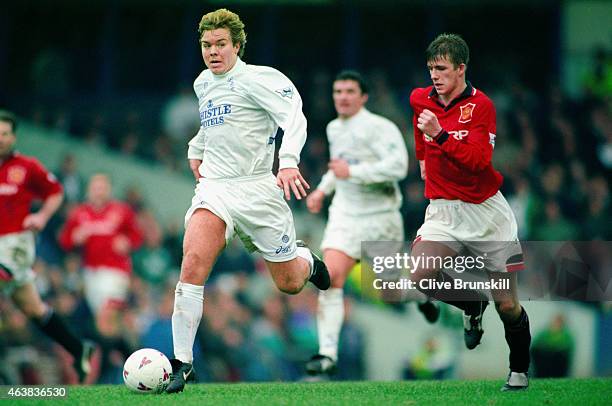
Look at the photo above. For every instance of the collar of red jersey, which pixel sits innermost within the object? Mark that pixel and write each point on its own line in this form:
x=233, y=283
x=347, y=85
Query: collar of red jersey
x=467, y=92
x=8, y=157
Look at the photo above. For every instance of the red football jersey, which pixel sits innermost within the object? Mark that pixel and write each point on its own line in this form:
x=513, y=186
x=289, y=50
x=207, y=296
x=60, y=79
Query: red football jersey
x=103, y=226
x=458, y=161
x=22, y=180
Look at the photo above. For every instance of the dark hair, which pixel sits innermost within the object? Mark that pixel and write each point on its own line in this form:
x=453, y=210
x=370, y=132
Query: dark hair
x=356, y=76
x=9, y=117
x=449, y=46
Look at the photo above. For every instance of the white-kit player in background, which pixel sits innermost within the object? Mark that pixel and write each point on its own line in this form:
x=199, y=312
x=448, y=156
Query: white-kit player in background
x=241, y=108
x=368, y=159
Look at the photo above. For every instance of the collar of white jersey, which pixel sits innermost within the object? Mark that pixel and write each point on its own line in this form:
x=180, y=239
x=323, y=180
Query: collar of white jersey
x=235, y=69
x=362, y=112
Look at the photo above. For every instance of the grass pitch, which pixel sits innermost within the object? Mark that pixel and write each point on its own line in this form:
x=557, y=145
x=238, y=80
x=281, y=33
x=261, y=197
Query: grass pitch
x=575, y=392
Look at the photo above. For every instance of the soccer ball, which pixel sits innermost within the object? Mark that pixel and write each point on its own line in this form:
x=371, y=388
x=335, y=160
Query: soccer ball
x=147, y=371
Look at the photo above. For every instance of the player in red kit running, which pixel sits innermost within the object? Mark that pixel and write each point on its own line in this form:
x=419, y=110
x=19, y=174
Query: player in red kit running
x=454, y=129
x=106, y=232
x=22, y=180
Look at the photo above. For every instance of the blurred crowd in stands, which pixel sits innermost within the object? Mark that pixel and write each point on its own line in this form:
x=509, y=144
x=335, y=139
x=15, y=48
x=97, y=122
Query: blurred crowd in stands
x=554, y=152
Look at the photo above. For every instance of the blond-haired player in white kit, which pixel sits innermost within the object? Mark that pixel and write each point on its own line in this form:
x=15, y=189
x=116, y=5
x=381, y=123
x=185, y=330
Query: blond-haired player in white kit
x=368, y=159
x=241, y=108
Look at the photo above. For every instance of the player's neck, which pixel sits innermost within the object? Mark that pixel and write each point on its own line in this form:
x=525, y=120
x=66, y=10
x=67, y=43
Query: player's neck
x=345, y=117
x=454, y=94
x=230, y=67
x=6, y=156
x=99, y=205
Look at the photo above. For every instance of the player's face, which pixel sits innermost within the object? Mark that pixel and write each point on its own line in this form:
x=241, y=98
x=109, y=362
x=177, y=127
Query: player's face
x=348, y=98
x=7, y=138
x=218, y=51
x=99, y=190
x=445, y=77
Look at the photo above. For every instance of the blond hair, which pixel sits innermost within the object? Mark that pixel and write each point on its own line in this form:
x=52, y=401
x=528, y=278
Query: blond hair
x=223, y=18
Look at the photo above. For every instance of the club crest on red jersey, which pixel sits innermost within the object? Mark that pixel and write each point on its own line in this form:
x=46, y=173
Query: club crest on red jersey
x=16, y=175
x=466, y=112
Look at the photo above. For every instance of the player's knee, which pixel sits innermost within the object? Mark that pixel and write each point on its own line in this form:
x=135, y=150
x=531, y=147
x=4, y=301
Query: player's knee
x=193, y=268
x=337, y=278
x=423, y=273
x=291, y=286
x=34, y=309
x=507, y=307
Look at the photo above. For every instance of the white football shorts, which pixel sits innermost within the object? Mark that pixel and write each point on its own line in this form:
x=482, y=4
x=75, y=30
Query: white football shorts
x=345, y=232
x=17, y=254
x=252, y=207
x=486, y=229
x=106, y=286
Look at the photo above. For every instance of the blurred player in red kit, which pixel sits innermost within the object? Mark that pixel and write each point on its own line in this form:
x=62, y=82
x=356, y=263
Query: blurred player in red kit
x=23, y=179
x=106, y=232
x=455, y=130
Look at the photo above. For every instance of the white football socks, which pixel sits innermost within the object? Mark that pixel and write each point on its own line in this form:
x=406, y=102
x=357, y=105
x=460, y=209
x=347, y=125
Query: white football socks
x=188, y=302
x=329, y=321
x=305, y=253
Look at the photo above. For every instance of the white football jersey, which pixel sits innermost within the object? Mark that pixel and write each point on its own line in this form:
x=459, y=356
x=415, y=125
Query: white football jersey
x=375, y=150
x=240, y=113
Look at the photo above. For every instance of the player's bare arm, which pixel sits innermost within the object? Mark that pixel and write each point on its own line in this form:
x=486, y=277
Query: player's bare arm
x=37, y=221
x=428, y=123
x=290, y=179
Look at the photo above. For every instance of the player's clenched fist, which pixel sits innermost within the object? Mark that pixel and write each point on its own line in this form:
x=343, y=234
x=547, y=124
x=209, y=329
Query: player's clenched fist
x=428, y=123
